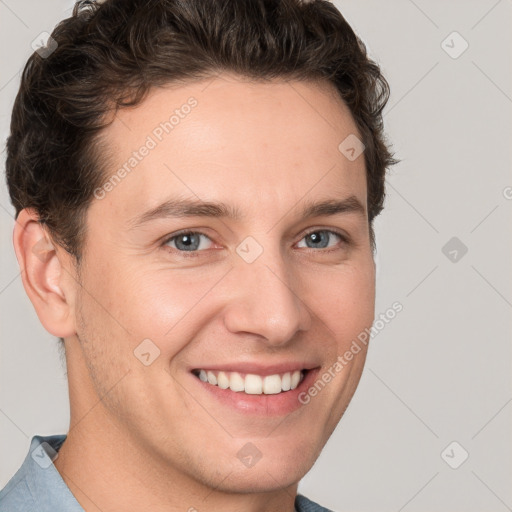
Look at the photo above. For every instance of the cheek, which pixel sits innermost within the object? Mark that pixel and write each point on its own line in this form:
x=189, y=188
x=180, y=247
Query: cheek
x=165, y=305
x=346, y=299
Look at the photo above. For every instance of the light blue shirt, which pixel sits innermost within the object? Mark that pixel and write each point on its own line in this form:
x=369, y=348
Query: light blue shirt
x=38, y=487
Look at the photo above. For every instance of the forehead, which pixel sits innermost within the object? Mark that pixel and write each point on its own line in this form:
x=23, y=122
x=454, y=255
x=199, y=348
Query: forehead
x=252, y=144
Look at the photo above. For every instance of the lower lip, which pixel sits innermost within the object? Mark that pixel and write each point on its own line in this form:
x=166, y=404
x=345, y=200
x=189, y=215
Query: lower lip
x=279, y=404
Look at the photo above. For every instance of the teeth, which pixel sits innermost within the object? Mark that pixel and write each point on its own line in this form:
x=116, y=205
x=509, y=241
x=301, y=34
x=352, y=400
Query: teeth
x=286, y=381
x=252, y=384
x=222, y=380
x=272, y=384
x=236, y=382
x=295, y=380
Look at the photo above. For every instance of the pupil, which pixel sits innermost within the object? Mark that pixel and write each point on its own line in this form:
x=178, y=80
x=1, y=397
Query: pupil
x=318, y=237
x=187, y=242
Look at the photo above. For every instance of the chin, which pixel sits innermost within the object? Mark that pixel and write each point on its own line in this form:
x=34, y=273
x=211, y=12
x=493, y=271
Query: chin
x=273, y=473
x=263, y=480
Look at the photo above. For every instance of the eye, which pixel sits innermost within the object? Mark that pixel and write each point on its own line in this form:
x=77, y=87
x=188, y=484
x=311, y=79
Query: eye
x=189, y=241
x=320, y=238
x=193, y=242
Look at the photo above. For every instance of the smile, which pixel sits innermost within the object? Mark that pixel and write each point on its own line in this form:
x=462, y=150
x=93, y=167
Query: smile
x=252, y=384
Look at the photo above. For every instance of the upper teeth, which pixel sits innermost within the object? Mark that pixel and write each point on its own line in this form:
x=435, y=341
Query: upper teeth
x=251, y=383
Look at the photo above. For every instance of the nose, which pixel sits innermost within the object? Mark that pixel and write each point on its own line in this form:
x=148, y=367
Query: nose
x=264, y=300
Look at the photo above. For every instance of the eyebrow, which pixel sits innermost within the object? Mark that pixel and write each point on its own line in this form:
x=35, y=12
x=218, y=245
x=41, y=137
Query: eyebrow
x=195, y=208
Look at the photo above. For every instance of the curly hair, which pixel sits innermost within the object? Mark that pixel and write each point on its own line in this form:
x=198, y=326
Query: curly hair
x=107, y=56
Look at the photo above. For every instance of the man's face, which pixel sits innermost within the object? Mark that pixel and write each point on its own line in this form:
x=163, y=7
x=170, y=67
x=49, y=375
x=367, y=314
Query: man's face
x=266, y=293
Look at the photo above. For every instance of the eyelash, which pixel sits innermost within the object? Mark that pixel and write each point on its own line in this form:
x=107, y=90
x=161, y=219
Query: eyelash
x=192, y=254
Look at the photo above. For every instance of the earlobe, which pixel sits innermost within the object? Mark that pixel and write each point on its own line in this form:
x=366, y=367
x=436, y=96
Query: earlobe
x=43, y=274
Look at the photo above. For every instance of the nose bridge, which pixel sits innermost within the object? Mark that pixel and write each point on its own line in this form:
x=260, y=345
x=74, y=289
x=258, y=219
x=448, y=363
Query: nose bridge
x=264, y=299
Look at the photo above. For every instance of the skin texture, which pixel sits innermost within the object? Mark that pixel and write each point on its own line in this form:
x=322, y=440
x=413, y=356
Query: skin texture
x=149, y=437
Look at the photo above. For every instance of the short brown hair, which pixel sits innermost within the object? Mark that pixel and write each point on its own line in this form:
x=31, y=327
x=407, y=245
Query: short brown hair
x=108, y=56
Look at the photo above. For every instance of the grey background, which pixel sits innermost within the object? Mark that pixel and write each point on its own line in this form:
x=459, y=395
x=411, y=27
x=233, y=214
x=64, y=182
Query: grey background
x=440, y=371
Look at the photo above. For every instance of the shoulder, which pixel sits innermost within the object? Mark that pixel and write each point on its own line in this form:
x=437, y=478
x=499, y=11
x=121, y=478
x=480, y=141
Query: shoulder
x=16, y=495
x=37, y=485
x=303, y=504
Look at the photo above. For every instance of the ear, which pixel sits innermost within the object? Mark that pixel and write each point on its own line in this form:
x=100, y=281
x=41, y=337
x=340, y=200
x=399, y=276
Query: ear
x=48, y=278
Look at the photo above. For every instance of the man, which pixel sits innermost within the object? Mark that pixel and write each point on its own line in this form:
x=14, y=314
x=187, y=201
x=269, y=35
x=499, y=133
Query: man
x=195, y=185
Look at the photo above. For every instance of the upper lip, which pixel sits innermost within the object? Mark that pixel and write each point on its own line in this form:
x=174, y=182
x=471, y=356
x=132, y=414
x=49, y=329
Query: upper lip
x=258, y=368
